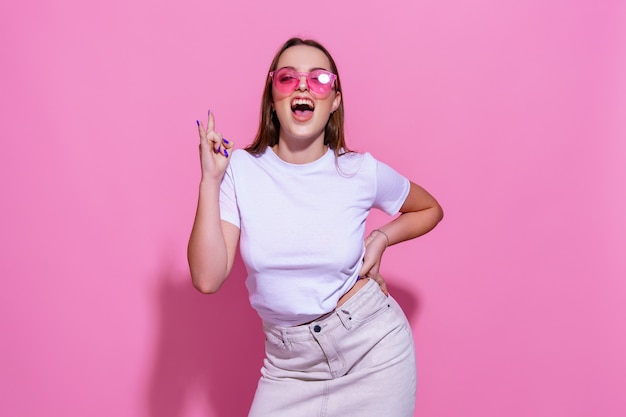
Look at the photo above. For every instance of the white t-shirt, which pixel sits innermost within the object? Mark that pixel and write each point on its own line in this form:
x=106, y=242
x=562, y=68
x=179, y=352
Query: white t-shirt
x=302, y=226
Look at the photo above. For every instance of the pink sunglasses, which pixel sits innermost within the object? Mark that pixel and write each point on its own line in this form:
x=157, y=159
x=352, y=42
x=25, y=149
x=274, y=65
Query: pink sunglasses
x=319, y=81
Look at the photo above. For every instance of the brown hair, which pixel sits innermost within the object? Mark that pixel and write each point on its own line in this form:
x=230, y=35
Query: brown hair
x=269, y=126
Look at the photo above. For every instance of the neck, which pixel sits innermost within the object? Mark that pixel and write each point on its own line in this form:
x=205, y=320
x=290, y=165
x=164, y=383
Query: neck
x=296, y=152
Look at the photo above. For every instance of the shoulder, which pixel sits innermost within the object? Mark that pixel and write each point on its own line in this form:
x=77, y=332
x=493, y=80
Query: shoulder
x=355, y=161
x=241, y=155
x=366, y=164
x=357, y=156
x=241, y=158
x=372, y=161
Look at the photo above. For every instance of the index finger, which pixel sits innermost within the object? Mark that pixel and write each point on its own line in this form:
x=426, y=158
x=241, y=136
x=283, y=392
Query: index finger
x=211, y=124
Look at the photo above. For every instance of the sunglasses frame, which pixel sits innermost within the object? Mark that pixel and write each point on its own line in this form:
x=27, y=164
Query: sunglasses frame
x=309, y=76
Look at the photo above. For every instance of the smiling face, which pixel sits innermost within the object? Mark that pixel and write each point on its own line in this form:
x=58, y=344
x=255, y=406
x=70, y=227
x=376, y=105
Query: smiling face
x=303, y=114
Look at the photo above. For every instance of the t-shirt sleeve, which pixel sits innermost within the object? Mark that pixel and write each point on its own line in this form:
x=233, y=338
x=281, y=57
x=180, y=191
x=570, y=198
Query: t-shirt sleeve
x=391, y=189
x=228, y=199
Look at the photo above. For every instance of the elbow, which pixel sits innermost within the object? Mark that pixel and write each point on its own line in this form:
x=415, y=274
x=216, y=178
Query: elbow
x=438, y=214
x=205, y=278
x=435, y=215
x=204, y=284
x=205, y=288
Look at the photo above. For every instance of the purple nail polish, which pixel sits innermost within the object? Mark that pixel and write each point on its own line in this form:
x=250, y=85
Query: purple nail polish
x=198, y=123
x=225, y=140
x=209, y=112
x=225, y=153
x=219, y=148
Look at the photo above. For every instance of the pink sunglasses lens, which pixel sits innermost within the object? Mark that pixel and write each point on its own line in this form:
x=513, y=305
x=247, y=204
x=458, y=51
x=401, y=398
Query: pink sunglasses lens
x=320, y=82
x=286, y=80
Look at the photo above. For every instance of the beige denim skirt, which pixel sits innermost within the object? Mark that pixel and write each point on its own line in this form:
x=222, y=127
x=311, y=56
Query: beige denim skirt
x=358, y=360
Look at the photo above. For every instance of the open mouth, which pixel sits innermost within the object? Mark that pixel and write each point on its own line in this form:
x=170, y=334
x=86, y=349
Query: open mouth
x=302, y=107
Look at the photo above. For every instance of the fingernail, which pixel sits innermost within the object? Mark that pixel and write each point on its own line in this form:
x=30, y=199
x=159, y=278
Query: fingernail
x=225, y=153
x=198, y=123
x=225, y=140
x=219, y=148
x=209, y=112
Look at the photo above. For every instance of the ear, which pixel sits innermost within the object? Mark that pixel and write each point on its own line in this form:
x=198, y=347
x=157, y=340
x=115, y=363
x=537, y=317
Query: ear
x=336, y=101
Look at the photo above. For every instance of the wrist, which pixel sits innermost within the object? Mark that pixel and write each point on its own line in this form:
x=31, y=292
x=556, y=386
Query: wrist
x=383, y=234
x=210, y=184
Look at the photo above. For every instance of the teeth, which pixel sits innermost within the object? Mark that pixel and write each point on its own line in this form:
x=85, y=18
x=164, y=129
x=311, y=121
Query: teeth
x=303, y=102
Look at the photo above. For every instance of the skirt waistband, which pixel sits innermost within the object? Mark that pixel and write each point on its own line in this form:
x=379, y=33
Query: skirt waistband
x=341, y=316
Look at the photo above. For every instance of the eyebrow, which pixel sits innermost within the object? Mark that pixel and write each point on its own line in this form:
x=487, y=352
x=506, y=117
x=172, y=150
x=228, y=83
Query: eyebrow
x=312, y=69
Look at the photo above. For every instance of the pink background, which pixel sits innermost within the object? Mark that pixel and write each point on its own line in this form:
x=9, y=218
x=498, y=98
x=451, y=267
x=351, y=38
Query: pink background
x=510, y=112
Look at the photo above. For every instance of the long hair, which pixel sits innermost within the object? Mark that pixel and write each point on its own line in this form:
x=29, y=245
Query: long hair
x=269, y=126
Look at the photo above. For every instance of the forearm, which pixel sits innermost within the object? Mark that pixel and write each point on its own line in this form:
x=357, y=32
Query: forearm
x=207, y=252
x=420, y=214
x=411, y=225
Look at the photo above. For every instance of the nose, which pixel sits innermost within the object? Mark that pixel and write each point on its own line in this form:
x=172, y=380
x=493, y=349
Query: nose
x=302, y=85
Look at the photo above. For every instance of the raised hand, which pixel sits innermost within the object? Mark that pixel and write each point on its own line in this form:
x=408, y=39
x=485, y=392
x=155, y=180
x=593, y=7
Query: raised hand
x=215, y=150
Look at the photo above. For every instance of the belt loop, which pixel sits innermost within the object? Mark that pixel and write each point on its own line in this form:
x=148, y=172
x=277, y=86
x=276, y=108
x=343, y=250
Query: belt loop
x=283, y=336
x=345, y=317
x=287, y=340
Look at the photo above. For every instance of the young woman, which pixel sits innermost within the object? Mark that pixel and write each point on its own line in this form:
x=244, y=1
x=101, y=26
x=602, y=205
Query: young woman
x=296, y=201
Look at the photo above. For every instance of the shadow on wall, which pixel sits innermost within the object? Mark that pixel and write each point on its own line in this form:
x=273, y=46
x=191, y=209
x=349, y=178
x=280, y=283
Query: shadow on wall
x=209, y=349
x=407, y=298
